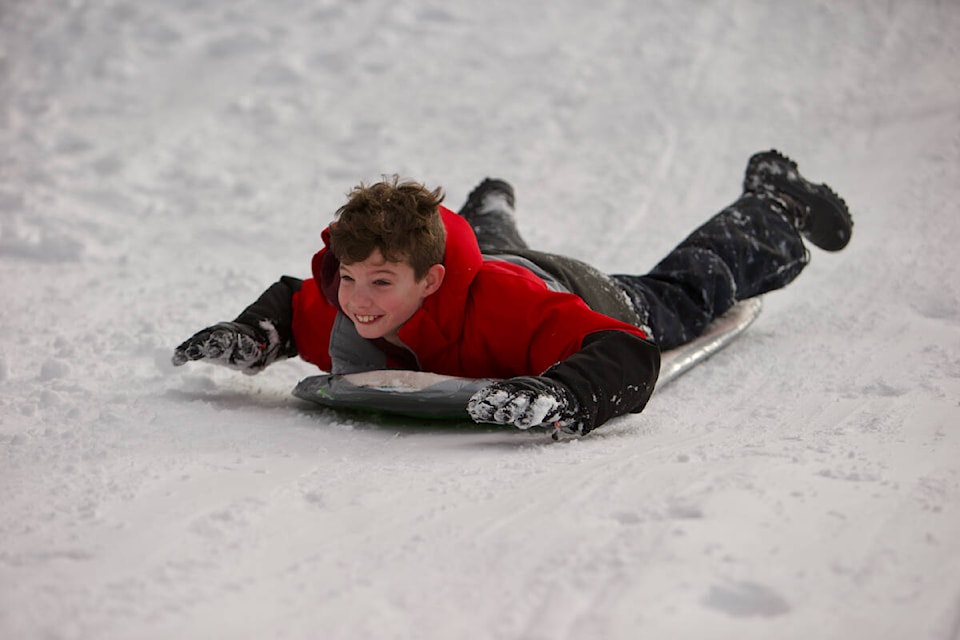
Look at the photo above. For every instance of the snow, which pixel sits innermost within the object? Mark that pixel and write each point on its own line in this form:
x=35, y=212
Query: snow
x=162, y=162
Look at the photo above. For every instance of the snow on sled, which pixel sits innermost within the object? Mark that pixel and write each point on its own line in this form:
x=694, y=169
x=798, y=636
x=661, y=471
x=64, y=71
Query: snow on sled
x=420, y=394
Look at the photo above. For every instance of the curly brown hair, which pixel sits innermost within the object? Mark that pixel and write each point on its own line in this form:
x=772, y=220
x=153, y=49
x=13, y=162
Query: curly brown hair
x=401, y=219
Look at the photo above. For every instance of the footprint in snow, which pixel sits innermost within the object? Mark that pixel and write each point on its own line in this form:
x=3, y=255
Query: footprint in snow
x=746, y=599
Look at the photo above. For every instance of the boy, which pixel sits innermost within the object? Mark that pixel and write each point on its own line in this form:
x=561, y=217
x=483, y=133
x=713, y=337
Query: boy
x=403, y=282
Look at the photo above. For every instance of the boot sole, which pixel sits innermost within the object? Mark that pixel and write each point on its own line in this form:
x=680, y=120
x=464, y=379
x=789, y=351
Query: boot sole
x=829, y=224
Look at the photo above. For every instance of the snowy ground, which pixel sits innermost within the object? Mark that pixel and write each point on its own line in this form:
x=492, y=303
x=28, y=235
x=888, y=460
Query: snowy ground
x=163, y=161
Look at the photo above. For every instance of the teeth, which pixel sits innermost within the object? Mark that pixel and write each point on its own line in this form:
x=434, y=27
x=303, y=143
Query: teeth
x=365, y=319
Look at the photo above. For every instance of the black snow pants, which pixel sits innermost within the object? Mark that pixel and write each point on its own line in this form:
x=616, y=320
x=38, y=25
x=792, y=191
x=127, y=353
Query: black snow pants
x=749, y=248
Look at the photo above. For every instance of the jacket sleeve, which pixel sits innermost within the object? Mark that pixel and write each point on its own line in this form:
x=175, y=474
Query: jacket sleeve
x=275, y=306
x=613, y=373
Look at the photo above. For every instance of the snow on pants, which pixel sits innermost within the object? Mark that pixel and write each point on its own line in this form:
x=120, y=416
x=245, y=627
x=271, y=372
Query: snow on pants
x=749, y=248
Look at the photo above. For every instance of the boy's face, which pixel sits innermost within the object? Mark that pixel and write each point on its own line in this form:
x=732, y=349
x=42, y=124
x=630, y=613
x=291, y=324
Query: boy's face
x=379, y=296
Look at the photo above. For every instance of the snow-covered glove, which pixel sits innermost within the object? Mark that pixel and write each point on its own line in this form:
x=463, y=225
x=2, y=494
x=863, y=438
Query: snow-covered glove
x=526, y=402
x=232, y=344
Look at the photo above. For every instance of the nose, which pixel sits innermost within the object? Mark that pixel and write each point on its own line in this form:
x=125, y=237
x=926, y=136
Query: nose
x=360, y=299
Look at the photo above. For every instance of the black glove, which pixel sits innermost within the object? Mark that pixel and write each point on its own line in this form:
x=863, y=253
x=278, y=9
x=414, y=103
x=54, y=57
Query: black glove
x=232, y=344
x=526, y=402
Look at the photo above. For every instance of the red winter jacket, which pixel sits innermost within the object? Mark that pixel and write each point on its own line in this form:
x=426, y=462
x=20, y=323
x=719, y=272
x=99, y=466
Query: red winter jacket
x=489, y=319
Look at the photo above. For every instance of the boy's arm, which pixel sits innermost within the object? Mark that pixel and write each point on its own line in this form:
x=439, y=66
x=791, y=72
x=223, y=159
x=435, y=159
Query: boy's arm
x=259, y=336
x=613, y=373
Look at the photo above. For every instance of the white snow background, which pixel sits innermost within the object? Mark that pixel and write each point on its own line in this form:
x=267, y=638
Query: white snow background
x=164, y=161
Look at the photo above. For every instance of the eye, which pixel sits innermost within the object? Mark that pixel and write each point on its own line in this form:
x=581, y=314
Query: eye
x=345, y=278
x=382, y=283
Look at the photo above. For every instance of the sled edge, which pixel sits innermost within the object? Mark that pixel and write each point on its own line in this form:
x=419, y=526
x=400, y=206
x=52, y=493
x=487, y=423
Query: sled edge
x=719, y=334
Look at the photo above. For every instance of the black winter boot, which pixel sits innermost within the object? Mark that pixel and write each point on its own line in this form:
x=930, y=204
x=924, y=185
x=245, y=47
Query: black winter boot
x=477, y=202
x=489, y=210
x=822, y=216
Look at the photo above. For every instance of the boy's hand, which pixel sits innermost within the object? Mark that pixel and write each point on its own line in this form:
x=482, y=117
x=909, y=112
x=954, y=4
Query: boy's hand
x=232, y=344
x=525, y=402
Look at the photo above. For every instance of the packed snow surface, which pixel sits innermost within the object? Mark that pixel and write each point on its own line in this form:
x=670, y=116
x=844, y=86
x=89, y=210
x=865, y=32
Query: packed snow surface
x=164, y=161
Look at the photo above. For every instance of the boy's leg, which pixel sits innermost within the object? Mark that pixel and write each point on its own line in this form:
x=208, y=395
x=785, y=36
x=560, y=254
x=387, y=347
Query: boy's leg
x=745, y=250
x=751, y=247
x=489, y=210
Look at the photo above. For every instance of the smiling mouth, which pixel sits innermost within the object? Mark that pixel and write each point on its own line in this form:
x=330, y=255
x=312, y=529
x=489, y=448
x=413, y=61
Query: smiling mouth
x=363, y=319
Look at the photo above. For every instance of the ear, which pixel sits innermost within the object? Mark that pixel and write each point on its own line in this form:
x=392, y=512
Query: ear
x=433, y=279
